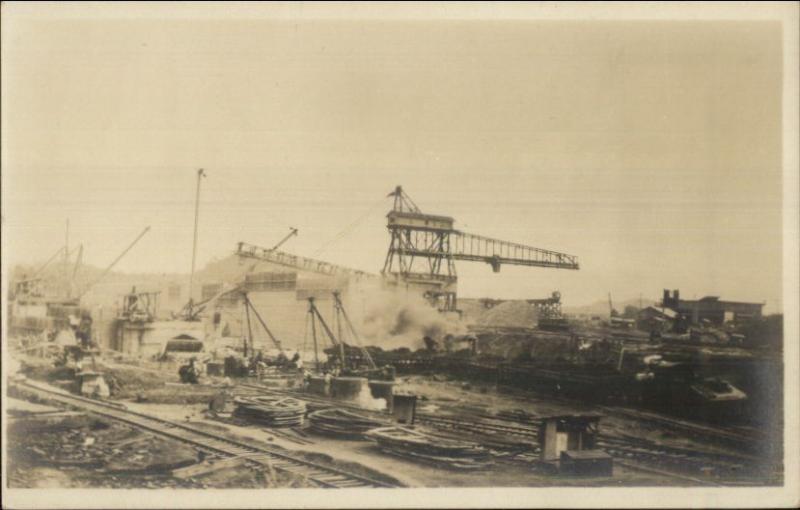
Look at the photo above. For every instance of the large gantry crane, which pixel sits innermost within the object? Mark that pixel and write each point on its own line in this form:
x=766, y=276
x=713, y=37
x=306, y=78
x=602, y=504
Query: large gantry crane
x=424, y=247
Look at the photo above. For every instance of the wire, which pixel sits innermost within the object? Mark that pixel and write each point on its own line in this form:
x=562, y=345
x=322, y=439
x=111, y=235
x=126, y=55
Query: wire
x=349, y=228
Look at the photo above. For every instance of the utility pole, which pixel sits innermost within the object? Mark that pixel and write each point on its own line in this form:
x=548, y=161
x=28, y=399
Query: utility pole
x=67, y=289
x=200, y=174
x=249, y=328
x=313, y=332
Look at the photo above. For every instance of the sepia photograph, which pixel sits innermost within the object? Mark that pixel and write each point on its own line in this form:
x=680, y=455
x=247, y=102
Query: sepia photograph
x=423, y=255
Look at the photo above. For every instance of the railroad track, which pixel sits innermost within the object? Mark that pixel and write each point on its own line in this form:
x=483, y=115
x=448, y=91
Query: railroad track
x=735, y=435
x=620, y=447
x=211, y=443
x=624, y=449
x=671, y=461
x=738, y=436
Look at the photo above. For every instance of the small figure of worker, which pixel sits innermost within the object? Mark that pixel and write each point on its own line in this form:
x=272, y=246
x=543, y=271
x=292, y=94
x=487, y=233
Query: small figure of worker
x=83, y=331
x=293, y=363
x=189, y=373
x=282, y=360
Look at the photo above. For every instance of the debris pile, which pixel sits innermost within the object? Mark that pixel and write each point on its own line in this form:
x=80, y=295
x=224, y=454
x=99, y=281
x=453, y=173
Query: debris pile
x=76, y=444
x=84, y=452
x=343, y=423
x=512, y=314
x=416, y=445
x=271, y=411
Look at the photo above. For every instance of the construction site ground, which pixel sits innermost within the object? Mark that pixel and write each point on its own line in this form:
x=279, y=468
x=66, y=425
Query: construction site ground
x=83, y=451
x=154, y=389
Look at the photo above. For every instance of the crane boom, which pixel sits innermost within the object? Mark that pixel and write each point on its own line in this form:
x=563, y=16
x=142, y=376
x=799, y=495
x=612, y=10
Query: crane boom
x=197, y=308
x=272, y=337
x=292, y=232
x=78, y=261
x=111, y=266
x=315, y=315
x=477, y=248
x=470, y=247
x=43, y=266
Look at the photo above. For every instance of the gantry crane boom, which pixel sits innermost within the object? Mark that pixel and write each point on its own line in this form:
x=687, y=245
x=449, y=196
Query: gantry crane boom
x=432, y=237
x=424, y=247
x=495, y=252
x=475, y=248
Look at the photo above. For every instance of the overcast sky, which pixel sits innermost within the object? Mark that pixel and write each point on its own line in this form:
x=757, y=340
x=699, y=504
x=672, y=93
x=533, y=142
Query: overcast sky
x=650, y=150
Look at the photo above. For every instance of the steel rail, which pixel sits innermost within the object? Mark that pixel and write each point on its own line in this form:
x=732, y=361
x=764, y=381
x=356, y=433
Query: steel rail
x=321, y=475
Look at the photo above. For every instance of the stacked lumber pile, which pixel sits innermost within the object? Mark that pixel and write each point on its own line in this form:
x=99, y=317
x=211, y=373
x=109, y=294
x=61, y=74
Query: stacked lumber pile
x=417, y=445
x=342, y=423
x=271, y=411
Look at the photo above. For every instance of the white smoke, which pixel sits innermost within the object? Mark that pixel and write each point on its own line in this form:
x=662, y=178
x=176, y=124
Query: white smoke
x=395, y=318
x=366, y=401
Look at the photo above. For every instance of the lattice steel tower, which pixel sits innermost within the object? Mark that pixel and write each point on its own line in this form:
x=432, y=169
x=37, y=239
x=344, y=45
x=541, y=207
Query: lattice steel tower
x=424, y=247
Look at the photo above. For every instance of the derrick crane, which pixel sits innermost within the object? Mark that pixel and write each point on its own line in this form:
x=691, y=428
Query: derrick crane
x=340, y=315
x=611, y=311
x=239, y=290
x=424, y=247
x=192, y=310
x=343, y=350
x=114, y=263
x=248, y=307
x=315, y=316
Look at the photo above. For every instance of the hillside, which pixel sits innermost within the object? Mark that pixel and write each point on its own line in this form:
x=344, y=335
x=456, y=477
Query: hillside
x=600, y=307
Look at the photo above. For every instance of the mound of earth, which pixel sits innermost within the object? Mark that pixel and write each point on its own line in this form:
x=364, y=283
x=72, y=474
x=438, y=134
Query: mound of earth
x=515, y=314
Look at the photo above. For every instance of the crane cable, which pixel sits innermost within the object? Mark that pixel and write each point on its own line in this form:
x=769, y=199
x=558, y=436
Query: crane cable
x=349, y=227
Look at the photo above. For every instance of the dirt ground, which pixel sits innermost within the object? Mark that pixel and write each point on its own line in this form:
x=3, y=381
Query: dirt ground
x=88, y=452
x=156, y=384
x=448, y=395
